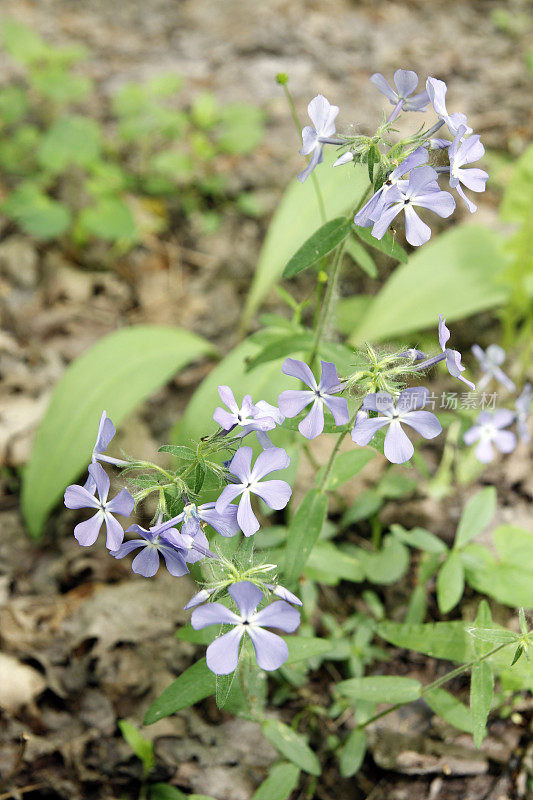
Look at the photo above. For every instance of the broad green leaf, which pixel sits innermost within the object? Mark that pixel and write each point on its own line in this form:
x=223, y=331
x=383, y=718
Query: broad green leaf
x=387, y=244
x=302, y=648
x=366, y=505
x=193, y=685
x=36, y=213
x=481, y=691
x=361, y=257
x=381, y=689
x=518, y=195
x=70, y=140
x=280, y=347
x=476, y=515
x=417, y=292
x=303, y=533
x=279, y=785
x=353, y=753
x=143, y=748
x=22, y=42
x=162, y=791
x=509, y=577
x=420, y=538
x=296, y=217
x=449, y=708
x=116, y=374
x=385, y=566
x=494, y=635
x=110, y=219
x=450, y=583
x=346, y=467
x=329, y=564
x=291, y=745
x=322, y=242
x=447, y=640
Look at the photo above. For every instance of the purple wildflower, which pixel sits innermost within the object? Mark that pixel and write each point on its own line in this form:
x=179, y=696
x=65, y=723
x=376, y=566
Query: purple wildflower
x=264, y=410
x=488, y=431
x=523, y=407
x=452, y=357
x=199, y=598
x=406, y=82
x=421, y=190
x=322, y=115
x=489, y=361
x=371, y=211
x=437, y=94
x=84, y=497
x=466, y=152
x=243, y=416
x=224, y=523
x=291, y=402
x=271, y=650
x=398, y=448
x=275, y=493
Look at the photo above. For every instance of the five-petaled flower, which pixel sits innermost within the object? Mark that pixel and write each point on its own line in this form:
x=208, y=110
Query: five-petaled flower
x=322, y=114
x=224, y=522
x=397, y=447
x=465, y=152
x=437, y=94
x=85, y=497
x=275, y=493
x=402, y=98
x=321, y=394
x=246, y=416
x=271, y=650
x=488, y=433
x=490, y=361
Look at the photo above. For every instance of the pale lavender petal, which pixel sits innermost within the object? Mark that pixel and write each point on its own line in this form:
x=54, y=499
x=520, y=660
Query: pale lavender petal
x=213, y=614
x=344, y=159
x=339, y=408
x=292, y=401
x=313, y=424
x=245, y=516
x=444, y=332
x=468, y=202
x=223, y=522
x=437, y=94
x=247, y=597
x=241, y=463
x=424, y=422
x=285, y=594
x=484, y=451
x=441, y=203
x=106, y=431
x=175, y=563
x=502, y=417
x=472, y=435
x=222, y=655
x=417, y=102
x=419, y=179
x=309, y=140
x=378, y=80
x=378, y=401
x=397, y=448
x=270, y=650
x=115, y=534
x=278, y=614
x=505, y=441
x=128, y=547
x=101, y=479
x=406, y=82
x=146, y=563
x=472, y=149
x=199, y=597
x=228, y=494
x=380, y=227
x=270, y=460
x=474, y=179
x=365, y=429
x=122, y=503
x=87, y=532
x=322, y=113
x=416, y=231
x=416, y=159
x=263, y=409
x=364, y=217
x=412, y=399
x=329, y=378
x=228, y=398
x=300, y=370
x=191, y=526
x=148, y=535
x=78, y=497
x=315, y=159
x=276, y=494
x=224, y=418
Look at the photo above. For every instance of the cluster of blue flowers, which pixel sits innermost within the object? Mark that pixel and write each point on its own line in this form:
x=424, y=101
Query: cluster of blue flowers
x=413, y=182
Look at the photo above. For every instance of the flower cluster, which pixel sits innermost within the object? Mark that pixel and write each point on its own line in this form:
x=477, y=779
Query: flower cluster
x=406, y=176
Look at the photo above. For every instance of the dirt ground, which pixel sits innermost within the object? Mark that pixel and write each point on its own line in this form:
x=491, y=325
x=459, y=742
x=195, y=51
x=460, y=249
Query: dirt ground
x=84, y=642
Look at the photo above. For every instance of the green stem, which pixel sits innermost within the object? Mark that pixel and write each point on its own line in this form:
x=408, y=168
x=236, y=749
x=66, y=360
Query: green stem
x=336, y=449
x=438, y=682
x=327, y=302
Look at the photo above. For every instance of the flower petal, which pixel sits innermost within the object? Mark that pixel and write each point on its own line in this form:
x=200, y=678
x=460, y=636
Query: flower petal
x=313, y=424
x=224, y=522
x=379, y=81
x=228, y=398
x=406, y=82
x=472, y=435
x=485, y=451
x=106, y=431
x=268, y=461
x=365, y=429
x=329, y=378
x=241, y=463
x=213, y=614
x=222, y=655
x=412, y=399
x=315, y=159
x=146, y=563
x=397, y=448
x=285, y=594
x=502, y=417
x=424, y=422
x=417, y=232
x=174, y=561
x=100, y=477
x=444, y=332
x=338, y=407
x=247, y=596
x=245, y=516
x=87, y=532
x=300, y=370
x=278, y=614
x=270, y=649
x=292, y=401
x=224, y=418
x=276, y=494
x=505, y=441
x=228, y=494
x=78, y=497
x=378, y=401
x=122, y=503
x=309, y=140
x=115, y=534
x=199, y=597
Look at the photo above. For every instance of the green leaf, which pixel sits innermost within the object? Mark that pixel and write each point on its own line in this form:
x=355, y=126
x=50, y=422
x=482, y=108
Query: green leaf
x=70, y=140
x=116, y=374
x=302, y=648
x=193, y=685
x=296, y=215
x=509, y=577
x=22, y=42
x=346, y=467
x=494, y=635
x=329, y=564
x=291, y=745
x=203, y=636
x=36, y=213
x=447, y=640
x=361, y=257
x=162, y=791
x=385, y=566
x=353, y=753
x=178, y=451
x=518, y=195
x=476, y=515
x=387, y=244
x=282, y=346
x=449, y=708
x=111, y=219
x=280, y=783
x=420, y=538
x=481, y=691
x=303, y=533
x=143, y=748
x=366, y=505
x=322, y=242
x=450, y=583
x=241, y=128
x=418, y=291
x=381, y=689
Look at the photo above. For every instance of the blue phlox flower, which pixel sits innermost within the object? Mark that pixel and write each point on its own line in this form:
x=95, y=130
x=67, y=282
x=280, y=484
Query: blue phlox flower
x=490, y=361
x=466, y=152
x=322, y=114
x=402, y=98
x=320, y=394
x=489, y=433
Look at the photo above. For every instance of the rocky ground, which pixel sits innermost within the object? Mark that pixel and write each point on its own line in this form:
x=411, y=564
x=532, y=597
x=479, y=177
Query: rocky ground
x=84, y=643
